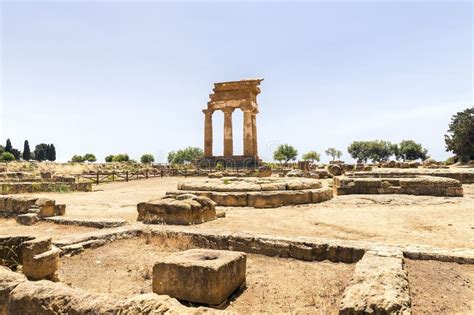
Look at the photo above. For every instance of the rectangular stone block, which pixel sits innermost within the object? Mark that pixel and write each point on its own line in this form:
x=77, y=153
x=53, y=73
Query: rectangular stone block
x=265, y=199
x=200, y=275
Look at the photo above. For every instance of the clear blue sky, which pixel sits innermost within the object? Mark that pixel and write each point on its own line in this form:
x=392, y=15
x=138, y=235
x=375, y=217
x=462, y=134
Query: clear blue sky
x=112, y=76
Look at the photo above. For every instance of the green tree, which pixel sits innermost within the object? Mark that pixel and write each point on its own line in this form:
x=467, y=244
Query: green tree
x=109, y=158
x=51, y=153
x=123, y=157
x=147, y=158
x=409, y=150
x=285, y=152
x=89, y=157
x=41, y=152
x=78, y=158
x=311, y=156
x=186, y=155
x=380, y=150
x=2, y=149
x=333, y=153
x=7, y=157
x=460, y=136
x=359, y=150
x=16, y=153
x=26, y=151
x=8, y=146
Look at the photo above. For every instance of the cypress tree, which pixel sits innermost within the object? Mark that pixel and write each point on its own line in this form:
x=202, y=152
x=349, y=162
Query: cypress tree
x=8, y=146
x=26, y=151
x=51, y=153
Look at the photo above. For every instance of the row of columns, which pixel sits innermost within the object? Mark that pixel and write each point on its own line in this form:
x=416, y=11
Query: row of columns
x=249, y=132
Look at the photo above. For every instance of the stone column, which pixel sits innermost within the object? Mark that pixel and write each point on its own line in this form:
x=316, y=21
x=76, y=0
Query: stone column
x=254, y=133
x=248, y=132
x=208, y=132
x=228, y=139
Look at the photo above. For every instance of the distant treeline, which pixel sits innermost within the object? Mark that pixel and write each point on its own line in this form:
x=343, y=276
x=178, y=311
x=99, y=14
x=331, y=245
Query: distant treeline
x=42, y=152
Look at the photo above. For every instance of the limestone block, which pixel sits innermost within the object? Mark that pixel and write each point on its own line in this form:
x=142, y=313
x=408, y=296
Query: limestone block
x=40, y=259
x=170, y=210
x=200, y=275
x=335, y=169
x=60, y=209
x=296, y=197
x=27, y=219
x=268, y=199
x=8, y=281
x=379, y=286
x=236, y=199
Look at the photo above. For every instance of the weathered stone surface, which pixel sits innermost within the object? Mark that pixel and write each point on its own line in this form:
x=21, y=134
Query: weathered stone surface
x=379, y=286
x=60, y=209
x=190, y=209
x=8, y=281
x=258, y=193
x=40, y=259
x=420, y=185
x=335, y=169
x=200, y=275
x=27, y=219
x=95, y=223
x=34, y=187
x=46, y=298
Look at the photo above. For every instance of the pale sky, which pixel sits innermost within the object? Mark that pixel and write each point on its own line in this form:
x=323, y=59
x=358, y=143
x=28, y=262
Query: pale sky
x=121, y=76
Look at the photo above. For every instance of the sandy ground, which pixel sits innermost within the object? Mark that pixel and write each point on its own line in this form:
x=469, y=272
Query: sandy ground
x=273, y=284
x=9, y=227
x=391, y=219
x=441, y=288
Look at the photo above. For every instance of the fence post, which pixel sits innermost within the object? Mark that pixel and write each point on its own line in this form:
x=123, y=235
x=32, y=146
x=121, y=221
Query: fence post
x=185, y=172
x=113, y=176
x=161, y=172
x=126, y=176
x=146, y=174
x=97, y=180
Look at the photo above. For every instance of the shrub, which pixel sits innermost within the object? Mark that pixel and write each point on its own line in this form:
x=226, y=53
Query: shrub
x=89, y=157
x=147, y=158
x=109, y=158
x=77, y=158
x=187, y=155
x=123, y=157
x=7, y=157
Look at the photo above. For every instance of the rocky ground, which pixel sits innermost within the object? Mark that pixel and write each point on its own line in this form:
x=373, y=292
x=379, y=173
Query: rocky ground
x=278, y=285
x=273, y=284
x=389, y=219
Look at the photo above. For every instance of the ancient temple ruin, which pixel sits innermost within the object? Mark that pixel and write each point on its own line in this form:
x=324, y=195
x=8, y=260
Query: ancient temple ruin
x=227, y=97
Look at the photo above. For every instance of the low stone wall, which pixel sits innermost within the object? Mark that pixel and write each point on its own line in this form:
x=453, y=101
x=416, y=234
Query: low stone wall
x=421, y=185
x=298, y=248
x=26, y=208
x=17, y=177
x=94, y=223
x=263, y=199
x=32, y=187
x=465, y=177
x=379, y=285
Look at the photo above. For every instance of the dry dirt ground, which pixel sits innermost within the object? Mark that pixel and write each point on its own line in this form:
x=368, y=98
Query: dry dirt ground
x=390, y=219
x=440, y=288
x=273, y=284
x=9, y=227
